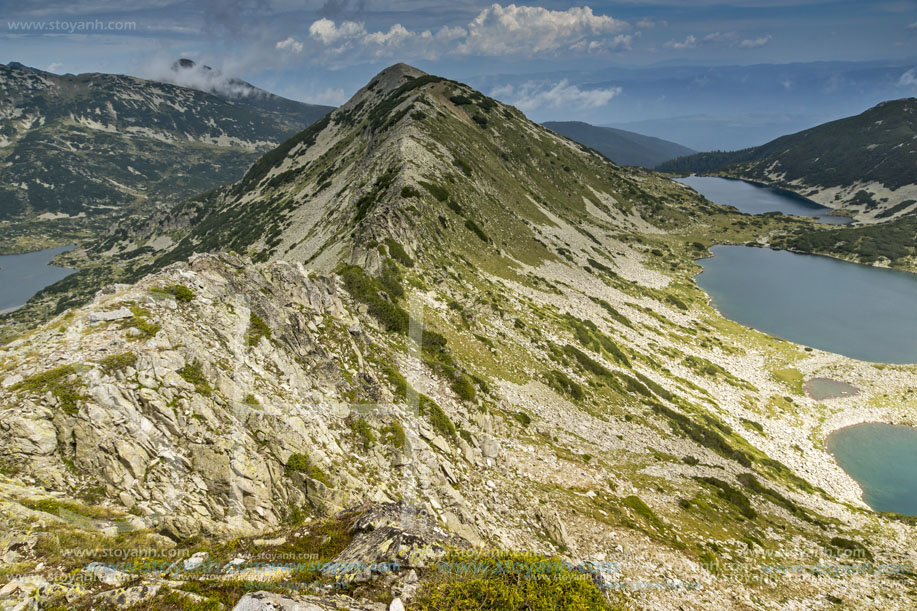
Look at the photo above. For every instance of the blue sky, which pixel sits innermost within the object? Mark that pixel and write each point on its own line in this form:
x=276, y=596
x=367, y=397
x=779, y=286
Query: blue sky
x=593, y=61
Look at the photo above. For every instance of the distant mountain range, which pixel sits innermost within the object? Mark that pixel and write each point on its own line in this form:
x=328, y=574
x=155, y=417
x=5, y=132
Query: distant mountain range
x=95, y=145
x=622, y=147
x=866, y=164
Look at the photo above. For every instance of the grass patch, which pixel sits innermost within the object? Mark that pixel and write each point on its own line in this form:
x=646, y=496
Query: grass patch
x=362, y=432
x=366, y=290
x=508, y=581
x=178, y=291
x=438, y=418
x=257, y=329
x=118, y=362
x=300, y=463
x=394, y=435
x=63, y=383
x=193, y=373
x=140, y=321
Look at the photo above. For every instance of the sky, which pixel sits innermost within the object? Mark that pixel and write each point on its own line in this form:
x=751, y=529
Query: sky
x=749, y=63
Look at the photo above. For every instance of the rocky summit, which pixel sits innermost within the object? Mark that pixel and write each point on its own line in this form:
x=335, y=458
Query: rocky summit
x=428, y=354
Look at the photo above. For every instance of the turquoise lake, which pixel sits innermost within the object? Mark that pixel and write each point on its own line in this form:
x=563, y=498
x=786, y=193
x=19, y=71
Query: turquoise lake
x=862, y=312
x=880, y=457
x=21, y=276
x=756, y=199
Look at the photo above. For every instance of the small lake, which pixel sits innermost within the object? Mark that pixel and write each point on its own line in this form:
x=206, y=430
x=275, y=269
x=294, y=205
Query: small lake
x=866, y=313
x=756, y=199
x=880, y=457
x=21, y=276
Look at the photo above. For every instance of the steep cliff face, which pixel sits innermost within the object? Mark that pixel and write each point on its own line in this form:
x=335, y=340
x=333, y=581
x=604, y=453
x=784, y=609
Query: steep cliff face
x=453, y=308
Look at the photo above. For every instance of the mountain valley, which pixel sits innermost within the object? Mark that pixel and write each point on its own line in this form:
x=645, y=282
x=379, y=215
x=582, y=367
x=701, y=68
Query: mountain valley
x=426, y=332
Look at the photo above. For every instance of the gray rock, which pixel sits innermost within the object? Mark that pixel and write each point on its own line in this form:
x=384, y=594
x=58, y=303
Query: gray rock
x=267, y=601
x=118, y=314
x=128, y=597
x=106, y=574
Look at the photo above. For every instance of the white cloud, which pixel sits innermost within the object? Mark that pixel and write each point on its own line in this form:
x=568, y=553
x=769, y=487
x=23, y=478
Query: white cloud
x=721, y=37
x=511, y=29
x=290, y=44
x=329, y=33
x=688, y=43
x=908, y=79
x=562, y=95
x=496, y=31
x=912, y=26
x=751, y=43
x=55, y=66
x=396, y=35
x=731, y=39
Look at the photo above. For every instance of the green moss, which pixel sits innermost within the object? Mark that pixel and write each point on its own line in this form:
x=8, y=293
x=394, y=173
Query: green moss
x=438, y=418
x=855, y=548
x=398, y=253
x=394, y=435
x=140, y=321
x=437, y=191
x=366, y=290
x=407, y=192
x=180, y=292
x=61, y=507
x=118, y=362
x=462, y=165
x=476, y=230
x=257, y=329
x=62, y=382
x=731, y=495
x=300, y=463
x=362, y=432
x=507, y=581
x=193, y=373
x=562, y=383
x=643, y=510
x=523, y=418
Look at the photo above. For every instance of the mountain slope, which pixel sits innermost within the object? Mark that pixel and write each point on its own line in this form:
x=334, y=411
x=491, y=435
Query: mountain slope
x=88, y=147
x=622, y=147
x=454, y=309
x=865, y=164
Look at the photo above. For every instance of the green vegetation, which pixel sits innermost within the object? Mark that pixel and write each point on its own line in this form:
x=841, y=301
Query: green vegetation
x=59, y=507
x=180, y=292
x=394, y=435
x=118, y=362
x=140, y=321
x=589, y=335
x=562, y=383
x=64, y=384
x=854, y=548
x=465, y=581
x=398, y=253
x=892, y=240
x=476, y=230
x=704, y=435
x=438, y=418
x=731, y=495
x=257, y=329
x=362, y=432
x=366, y=290
x=300, y=463
x=193, y=374
x=643, y=510
x=437, y=191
